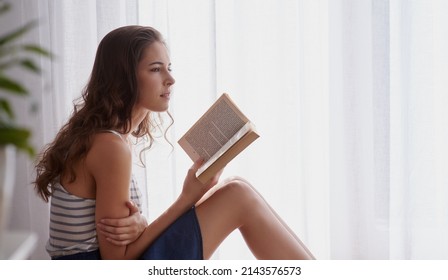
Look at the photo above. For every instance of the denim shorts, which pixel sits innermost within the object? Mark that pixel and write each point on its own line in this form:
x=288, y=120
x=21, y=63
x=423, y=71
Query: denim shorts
x=182, y=240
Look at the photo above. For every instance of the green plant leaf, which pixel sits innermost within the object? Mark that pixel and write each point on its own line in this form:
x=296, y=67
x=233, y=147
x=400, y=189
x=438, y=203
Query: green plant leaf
x=7, y=64
x=12, y=86
x=26, y=63
x=30, y=65
x=8, y=51
x=5, y=107
x=11, y=36
x=37, y=50
x=18, y=137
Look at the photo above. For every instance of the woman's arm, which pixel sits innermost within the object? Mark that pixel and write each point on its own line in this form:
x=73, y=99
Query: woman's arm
x=109, y=162
x=123, y=231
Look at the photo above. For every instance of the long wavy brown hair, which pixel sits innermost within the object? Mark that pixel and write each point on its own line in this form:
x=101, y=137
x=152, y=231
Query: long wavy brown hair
x=106, y=104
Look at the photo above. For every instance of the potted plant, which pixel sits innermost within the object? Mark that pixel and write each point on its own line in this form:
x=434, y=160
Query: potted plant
x=14, y=54
x=13, y=137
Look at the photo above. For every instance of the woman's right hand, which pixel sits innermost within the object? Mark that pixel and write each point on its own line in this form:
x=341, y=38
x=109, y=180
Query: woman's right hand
x=193, y=189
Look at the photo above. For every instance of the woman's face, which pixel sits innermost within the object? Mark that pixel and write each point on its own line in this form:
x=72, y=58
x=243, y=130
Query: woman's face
x=154, y=78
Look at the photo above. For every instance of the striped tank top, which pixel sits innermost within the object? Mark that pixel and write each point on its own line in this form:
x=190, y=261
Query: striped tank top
x=72, y=221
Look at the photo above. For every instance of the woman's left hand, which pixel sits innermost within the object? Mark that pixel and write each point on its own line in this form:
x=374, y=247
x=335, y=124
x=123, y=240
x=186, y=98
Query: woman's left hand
x=123, y=231
x=193, y=190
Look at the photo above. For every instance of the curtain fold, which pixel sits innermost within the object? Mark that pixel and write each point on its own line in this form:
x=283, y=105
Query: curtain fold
x=418, y=189
x=349, y=98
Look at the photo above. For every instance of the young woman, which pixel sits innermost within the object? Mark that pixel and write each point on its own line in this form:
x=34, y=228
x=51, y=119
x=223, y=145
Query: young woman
x=87, y=172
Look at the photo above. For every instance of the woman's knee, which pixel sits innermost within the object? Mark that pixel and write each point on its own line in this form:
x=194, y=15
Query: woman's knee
x=240, y=190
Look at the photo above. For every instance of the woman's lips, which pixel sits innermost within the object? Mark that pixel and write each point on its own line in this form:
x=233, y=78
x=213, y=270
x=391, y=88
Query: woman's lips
x=166, y=95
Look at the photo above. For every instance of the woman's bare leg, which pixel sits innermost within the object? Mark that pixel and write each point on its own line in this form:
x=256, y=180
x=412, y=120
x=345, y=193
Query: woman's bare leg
x=235, y=204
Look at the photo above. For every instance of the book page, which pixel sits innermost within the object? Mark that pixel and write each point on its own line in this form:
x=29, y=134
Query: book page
x=214, y=129
x=243, y=131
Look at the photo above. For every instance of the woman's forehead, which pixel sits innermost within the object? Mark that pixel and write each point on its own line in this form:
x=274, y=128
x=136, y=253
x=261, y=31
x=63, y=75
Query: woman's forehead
x=157, y=51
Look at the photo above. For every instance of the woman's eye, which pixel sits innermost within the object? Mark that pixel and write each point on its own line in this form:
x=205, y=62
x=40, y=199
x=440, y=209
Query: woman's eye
x=158, y=69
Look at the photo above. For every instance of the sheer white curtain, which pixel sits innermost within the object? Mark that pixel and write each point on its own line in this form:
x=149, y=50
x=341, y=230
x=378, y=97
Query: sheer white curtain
x=419, y=130
x=349, y=98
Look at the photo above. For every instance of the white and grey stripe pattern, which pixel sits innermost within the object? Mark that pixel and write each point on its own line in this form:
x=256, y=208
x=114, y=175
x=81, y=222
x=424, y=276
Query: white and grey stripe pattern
x=135, y=194
x=72, y=222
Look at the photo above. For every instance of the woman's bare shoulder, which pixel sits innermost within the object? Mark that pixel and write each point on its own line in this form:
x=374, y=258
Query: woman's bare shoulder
x=108, y=149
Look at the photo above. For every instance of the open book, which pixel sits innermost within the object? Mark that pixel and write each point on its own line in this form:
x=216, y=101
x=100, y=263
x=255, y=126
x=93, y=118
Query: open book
x=218, y=136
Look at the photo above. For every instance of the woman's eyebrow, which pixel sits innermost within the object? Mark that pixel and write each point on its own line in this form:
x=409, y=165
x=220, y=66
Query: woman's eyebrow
x=158, y=63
